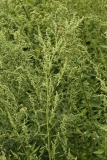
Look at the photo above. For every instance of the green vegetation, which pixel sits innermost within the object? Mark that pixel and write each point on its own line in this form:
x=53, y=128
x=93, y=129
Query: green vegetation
x=53, y=80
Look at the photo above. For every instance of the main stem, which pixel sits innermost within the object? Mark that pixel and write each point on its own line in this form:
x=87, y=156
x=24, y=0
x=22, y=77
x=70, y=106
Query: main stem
x=47, y=117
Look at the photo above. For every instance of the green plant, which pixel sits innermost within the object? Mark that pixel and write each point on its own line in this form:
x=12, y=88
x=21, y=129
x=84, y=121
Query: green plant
x=53, y=80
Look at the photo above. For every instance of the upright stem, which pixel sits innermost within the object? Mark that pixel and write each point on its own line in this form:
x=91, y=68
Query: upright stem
x=47, y=116
x=26, y=13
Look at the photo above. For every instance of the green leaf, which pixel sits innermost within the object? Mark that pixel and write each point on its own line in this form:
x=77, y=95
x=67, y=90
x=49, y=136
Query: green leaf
x=30, y=2
x=2, y=157
x=103, y=46
x=99, y=151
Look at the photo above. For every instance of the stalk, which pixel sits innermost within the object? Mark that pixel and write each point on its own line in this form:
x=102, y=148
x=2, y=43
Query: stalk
x=24, y=8
x=47, y=117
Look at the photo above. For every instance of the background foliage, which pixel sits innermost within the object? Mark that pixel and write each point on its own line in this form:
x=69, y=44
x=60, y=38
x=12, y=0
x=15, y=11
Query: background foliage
x=53, y=80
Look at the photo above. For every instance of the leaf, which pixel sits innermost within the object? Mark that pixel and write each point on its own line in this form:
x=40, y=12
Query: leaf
x=103, y=127
x=103, y=46
x=99, y=151
x=2, y=157
x=30, y=2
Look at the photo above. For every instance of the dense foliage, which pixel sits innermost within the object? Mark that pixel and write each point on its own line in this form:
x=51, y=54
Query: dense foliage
x=53, y=80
